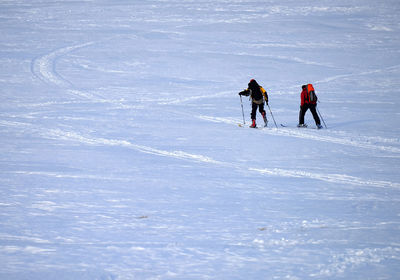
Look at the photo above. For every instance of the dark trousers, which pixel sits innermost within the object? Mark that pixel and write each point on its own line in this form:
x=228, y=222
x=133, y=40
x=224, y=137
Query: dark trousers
x=254, y=107
x=303, y=110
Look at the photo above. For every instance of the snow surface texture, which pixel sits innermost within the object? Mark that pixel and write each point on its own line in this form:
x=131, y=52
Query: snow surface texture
x=121, y=157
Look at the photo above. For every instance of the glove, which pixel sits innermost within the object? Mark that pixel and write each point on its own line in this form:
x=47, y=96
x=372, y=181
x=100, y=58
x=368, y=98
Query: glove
x=244, y=92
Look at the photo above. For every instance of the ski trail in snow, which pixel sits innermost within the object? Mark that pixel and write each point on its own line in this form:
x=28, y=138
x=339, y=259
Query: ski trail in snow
x=59, y=134
x=190, y=98
x=342, y=141
x=45, y=69
x=71, y=176
x=363, y=73
x=348, y=141
x=333, y=178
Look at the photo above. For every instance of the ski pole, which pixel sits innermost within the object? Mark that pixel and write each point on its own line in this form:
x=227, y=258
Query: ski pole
x=321, y=117
x=272, y=115
x=241, y=103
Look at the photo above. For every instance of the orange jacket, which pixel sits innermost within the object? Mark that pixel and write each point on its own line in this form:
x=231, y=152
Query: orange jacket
x=303, y=97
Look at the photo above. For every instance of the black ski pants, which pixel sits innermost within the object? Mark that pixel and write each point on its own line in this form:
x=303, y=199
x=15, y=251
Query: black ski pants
x=303, y=110
x=254, y=107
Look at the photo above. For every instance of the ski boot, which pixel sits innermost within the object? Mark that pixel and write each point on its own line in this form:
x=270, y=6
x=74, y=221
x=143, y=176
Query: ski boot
x=253, y=125
x=319, y=126
x=301, y=125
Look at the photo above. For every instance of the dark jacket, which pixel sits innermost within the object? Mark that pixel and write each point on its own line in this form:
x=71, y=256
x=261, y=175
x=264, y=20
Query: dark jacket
x=257, y=93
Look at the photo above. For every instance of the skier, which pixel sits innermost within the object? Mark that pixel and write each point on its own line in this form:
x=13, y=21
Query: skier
x=306, y=104
x=258, y=95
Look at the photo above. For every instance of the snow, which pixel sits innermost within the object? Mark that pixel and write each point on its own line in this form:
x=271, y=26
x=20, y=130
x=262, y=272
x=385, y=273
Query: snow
x=122, y=158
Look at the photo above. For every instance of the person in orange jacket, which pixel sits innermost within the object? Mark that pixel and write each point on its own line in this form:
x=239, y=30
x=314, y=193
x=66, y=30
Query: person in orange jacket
x=258, y=95
x=306, y=104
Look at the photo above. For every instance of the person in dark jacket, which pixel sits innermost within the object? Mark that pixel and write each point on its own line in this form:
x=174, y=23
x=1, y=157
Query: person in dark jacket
x=258, y=95
x=305, y=105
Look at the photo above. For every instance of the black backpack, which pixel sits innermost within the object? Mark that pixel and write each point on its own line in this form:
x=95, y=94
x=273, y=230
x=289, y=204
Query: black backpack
x=312, y=97
x=255, y=90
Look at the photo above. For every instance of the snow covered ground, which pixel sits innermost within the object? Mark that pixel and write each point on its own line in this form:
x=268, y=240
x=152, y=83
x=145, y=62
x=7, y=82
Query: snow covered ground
x=121, y=157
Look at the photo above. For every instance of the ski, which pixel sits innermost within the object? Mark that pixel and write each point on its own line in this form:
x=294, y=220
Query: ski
x=303, y=126
x=300, y=127
x=257, y=127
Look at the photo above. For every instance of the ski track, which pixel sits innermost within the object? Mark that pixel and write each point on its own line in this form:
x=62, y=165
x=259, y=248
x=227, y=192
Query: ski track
x=191, y=98
x=44, y=67
x=333, y=178
x=364, y=73
x=271, y=57
x=70, y=176
x=294, y=132
x=57, y=134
